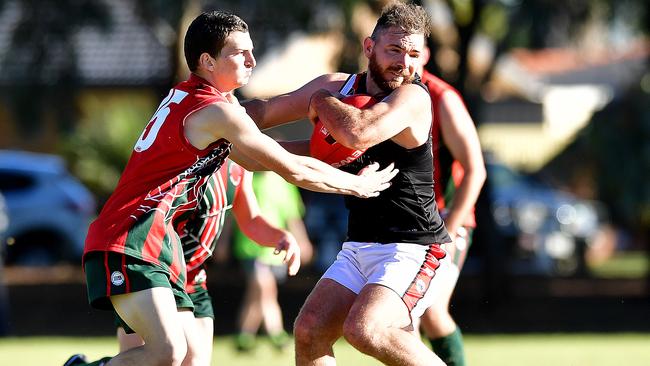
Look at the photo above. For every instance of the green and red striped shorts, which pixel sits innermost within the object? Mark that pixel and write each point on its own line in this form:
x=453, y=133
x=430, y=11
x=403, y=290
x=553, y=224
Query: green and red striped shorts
x=111, y=273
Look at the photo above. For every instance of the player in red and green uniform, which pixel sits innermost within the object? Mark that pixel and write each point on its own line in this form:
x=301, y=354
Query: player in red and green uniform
x=198, y=232
x=229, y=188
x=160, y=189
x=459, y=173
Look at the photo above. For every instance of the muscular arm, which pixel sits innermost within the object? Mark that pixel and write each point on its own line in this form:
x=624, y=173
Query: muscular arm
x=404, y=116
x=256, y=150
x=298, y=147
x=290, y=106
x=255, y=226
x=459, y=135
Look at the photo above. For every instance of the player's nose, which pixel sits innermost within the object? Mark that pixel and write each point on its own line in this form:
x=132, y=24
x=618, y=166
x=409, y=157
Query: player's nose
x=250, y=60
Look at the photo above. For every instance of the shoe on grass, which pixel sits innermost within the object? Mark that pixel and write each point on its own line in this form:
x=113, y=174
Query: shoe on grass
x=245, y=342
x=280, y=341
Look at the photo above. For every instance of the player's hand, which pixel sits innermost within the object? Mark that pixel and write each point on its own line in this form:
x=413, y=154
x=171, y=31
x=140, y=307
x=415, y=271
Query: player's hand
x=374, y=180
x=291, y=249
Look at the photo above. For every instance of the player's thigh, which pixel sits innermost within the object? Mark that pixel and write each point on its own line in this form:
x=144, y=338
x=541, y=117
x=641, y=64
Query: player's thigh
x=151, y=313
x=262, y=276
x=406, y=269
x=378, y=305
x=326, y=308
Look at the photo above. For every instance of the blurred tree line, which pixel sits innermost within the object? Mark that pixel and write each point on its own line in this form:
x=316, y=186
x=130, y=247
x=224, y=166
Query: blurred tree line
x=614, y=146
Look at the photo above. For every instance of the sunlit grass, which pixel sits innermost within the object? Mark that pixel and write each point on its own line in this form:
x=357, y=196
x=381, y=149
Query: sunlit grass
x=482, y=350
x=624, y=265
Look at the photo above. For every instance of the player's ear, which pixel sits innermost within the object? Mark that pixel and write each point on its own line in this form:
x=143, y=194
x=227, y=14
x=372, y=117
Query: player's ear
x=368, y=45
x=206, y=61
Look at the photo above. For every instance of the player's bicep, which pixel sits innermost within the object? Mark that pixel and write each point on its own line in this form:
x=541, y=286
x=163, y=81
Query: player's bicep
x=408, y=105
x=254, y=149
x=404, y=108
x=290, y=106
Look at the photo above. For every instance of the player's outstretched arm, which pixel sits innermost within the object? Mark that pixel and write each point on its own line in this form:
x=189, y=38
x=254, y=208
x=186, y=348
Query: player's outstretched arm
x=292, y=106
x=254, y=150
x=255, y=226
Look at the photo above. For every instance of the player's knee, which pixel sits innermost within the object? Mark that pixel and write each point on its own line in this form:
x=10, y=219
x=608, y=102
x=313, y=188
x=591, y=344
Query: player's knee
x=169, y=353
x=362, y=335
x=309, y=329
x=305, y=328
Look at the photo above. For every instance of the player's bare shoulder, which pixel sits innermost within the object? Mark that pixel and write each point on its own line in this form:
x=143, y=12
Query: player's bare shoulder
x=413, y=99
x=212, y=122
x=333, y=81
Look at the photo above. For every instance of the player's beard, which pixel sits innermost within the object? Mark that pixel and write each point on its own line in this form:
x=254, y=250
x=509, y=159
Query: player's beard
x=377, y=75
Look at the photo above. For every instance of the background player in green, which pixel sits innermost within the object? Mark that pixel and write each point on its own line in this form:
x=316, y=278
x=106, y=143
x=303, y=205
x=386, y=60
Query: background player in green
x=281, y=204
x=459, y=174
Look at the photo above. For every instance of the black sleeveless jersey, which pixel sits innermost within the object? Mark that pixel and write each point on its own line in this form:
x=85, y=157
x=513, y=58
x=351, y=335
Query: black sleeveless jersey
x=406, y=212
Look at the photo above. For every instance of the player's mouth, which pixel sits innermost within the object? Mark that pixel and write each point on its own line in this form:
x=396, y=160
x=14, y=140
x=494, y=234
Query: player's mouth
x=396, y=73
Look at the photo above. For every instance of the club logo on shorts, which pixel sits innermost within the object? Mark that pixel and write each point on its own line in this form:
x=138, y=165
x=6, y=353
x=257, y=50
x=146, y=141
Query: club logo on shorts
x=420, y=286
x=117, y=278
x=200, y=277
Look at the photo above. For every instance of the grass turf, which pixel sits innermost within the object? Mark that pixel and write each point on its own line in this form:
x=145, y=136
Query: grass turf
x=484, y=350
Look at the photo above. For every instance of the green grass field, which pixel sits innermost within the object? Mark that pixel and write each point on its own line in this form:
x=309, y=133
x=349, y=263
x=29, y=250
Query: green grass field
x=502, y=350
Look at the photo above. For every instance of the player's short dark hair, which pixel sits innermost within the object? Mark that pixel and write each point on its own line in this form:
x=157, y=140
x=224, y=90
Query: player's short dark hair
x=208, y=33
x=411, y=18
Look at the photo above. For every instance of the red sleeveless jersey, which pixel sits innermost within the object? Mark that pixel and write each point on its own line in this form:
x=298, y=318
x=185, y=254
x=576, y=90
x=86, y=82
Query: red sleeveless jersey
x=200, y=233
x=447, y=172
x=162, y=184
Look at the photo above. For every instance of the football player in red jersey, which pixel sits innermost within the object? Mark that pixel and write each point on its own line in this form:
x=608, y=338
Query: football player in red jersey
x=233, y=189
x=133, y=258
x=379, y=280
x=459, y=174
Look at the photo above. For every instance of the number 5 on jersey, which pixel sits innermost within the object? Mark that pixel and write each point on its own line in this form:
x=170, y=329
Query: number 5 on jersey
x=151, y=131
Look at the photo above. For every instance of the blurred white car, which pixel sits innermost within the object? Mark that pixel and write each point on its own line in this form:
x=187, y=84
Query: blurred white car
x=48, y=209
x=548, y=230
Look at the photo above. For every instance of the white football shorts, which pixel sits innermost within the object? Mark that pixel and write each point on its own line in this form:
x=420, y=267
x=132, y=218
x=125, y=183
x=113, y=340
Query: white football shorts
x=407, y=269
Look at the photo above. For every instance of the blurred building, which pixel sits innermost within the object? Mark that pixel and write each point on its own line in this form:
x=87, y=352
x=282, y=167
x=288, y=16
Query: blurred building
x=53, y=60
x=540, y=99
